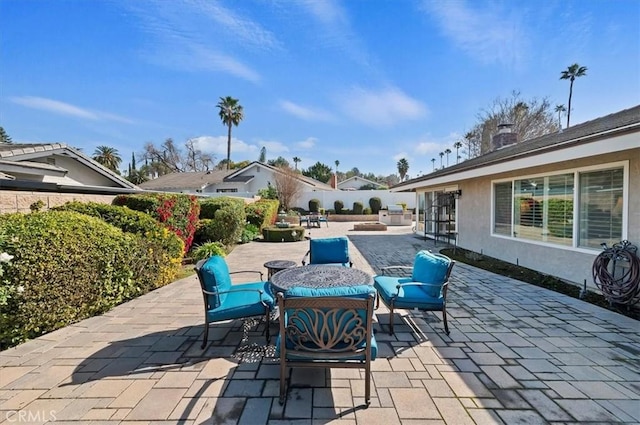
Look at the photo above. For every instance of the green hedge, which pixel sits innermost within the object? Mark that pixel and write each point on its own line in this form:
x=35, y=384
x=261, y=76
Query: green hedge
x=221, y=220
x=375, y=204
x=71, y=266
x=262, y=212
x=276, y=234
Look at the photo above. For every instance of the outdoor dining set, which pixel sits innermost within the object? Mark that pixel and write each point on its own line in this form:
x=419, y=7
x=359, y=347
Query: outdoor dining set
x=324, y=308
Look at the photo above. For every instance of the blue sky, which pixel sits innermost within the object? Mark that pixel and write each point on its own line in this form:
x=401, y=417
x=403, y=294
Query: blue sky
x=364, y=82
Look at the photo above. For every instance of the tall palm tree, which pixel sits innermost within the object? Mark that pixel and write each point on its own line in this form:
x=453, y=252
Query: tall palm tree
x=560, y=109
x=457, y=145
x=337, y=163
x=231, y=113
x=447, y=151
x=433, y=162
x=441, y=156
x=571, y=73
x=295, y=161
x=107, y=157
x=403, y=167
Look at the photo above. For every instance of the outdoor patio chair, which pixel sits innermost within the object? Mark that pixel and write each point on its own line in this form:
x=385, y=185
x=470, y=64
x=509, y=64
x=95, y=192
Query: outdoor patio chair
x=225, y=301
x=328, y=251
x=425, y=290
x=329, y=328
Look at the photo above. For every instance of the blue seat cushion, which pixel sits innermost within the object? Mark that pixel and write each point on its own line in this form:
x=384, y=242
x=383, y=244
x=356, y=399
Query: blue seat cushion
x=242, y=303
x=329, y=250
x=423, y=296
x=429, y=268
x=215, y=274
x=358, y=291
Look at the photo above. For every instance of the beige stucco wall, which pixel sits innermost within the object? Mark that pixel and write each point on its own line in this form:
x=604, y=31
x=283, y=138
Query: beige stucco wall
x=19, y=201
x=572, y=264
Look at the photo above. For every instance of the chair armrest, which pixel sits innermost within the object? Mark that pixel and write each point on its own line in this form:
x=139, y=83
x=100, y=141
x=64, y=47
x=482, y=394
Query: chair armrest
x=384, y=269
x=249, y=271
x=259, y=291
x=304, y=259
x=443, y=287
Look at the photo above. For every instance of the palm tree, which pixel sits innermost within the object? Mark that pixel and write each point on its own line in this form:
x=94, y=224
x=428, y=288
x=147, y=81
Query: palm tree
x=231, y=113
x=337, y=163
x=457, y=145
x=571, y=73
x=441, y=156
x=560, y=109
x=447, y=151
x=403, y=167
x=295, y=161
x=433, y=162
x=107, y=157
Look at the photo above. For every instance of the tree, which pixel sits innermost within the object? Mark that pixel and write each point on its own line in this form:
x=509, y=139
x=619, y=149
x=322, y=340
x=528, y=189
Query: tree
x=560, y=109
x=318, y=171
x=138, y=176
x=295, y=161
x=4, y=137
x=403, y=167
x=529, y=119
x=447, y=151
x=571, y=73
x=231, y=113
x=288, y=186
x=279, y=162
x=263, y=155
x=107, y=157
x=441, y=156
x=169, y=158
x=433, y=162
x=457, y=145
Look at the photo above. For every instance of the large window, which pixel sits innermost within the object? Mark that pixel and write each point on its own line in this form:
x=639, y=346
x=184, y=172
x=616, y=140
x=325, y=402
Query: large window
x=542, y=208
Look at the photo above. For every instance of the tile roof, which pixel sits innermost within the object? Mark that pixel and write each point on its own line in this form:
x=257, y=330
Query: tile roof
x=188, y=180
x=572, y=136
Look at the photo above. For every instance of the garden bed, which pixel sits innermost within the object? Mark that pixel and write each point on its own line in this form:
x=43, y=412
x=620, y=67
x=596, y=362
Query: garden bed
x=369, y=226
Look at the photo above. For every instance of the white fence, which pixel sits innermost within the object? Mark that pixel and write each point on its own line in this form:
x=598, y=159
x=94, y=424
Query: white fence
x=327, y=198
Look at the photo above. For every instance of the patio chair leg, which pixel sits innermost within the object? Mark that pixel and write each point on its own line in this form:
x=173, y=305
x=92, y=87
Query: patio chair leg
x=444, y=319
x=377, y=300
x=367, y=385
x=283, y=378
x=206, y=334
x=268, y=324
x=391, y=319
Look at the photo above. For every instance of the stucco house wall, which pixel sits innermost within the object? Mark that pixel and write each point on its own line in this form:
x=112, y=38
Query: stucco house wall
x=572, y=264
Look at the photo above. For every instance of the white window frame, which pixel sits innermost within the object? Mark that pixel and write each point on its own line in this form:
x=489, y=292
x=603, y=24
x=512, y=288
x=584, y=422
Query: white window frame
x=576, y=193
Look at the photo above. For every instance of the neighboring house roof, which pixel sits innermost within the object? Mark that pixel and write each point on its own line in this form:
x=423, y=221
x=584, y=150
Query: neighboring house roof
x=358, y=179
x=186, y=181
x=607, y=126
x=304, y=179
x=22, y=155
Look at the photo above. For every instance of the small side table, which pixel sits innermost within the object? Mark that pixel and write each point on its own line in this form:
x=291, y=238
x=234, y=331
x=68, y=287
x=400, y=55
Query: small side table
x=275, y=266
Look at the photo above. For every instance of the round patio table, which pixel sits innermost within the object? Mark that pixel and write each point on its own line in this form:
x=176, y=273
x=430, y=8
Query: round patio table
x=274, y=266
x=319, y=276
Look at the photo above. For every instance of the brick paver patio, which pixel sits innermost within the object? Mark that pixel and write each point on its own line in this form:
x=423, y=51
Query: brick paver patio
x=517, y=354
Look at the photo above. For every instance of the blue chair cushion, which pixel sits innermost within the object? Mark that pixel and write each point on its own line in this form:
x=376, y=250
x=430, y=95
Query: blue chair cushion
x=242, y=303
x=425, y=296
x=215, y=273
x=329, y=250
x=429, y=268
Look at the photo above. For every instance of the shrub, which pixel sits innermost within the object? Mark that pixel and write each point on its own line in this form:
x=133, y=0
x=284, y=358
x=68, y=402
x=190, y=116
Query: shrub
x=262, y=213
x=314, y=205
x=358, y=208
x=338, y=206
x=206, y=250
x=226, y=226
x=209, y=206
x=249, y=233
x=71, y=266
x=376, y=204
x=367, y=211
x=178, y=212
x=286, y=234
x=37, y=206
x=403, y=205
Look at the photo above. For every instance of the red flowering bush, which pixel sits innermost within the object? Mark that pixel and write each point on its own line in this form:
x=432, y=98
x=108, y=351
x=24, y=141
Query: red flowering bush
x=177, y=212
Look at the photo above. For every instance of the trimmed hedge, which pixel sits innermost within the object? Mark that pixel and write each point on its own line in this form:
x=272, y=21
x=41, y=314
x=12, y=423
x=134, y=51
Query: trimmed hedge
x=375, y=204
x=338, y=206
x=358, y=208
x=221, y=220
x=71, y=266
x=262, y=213
x=314, y=205
x=178, y=212
x=285, y=234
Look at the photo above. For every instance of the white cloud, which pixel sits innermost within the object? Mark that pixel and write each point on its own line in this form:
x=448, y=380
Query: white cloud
x=308, y=143
x=492, y=34
x=217, y=145
x=381, y=108
x=62, y=108
x=303, y=112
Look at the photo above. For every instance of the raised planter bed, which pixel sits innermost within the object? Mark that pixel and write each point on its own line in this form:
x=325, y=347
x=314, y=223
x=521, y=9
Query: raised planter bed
x=370, y=226
x=276, y=234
